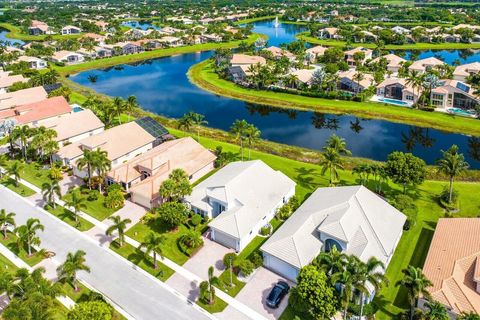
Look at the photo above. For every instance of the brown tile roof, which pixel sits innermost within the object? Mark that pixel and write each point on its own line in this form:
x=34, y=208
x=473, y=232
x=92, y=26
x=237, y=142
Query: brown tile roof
x=452, y=263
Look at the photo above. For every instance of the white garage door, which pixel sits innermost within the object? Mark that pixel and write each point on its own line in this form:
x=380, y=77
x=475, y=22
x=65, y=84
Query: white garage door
x=225, y=239
x=280, y=267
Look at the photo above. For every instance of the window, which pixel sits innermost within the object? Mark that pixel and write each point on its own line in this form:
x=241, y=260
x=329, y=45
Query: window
x=330, y=243
x=409, y=97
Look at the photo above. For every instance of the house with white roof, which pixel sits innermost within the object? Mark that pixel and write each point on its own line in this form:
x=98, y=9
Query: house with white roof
x=400, y=30
x=353, y=219
x=465, y=70
x=67, y=57
x=33, y=62
x=426, y=64
x=241, y=198
x=328, y=33
x=315, y=52
x=394, y=62
x=71, y=30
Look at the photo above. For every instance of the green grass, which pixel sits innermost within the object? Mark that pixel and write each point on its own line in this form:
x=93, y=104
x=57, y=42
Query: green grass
x=7, y=265
x=203, y=75
x=17, y=33
x=134, y=255
x=21, y=189
x=11, y=244
x=67, y=216
x=237, y=284
x=103, y=63
x=218, y=306
x=251, y=20
x=94, y=208
x=171, y=249
x=407, y=46
x=35, y=174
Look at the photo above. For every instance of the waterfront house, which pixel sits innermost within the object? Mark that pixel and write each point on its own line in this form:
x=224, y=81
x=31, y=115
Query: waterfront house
x=350, y=55
x=453, y=265
x=95, y=37
x=278, y=53
x=394, y=62
x=143, y=175
x=329, y=33
x=348, y=82
x=241, y=198
x=33, y=62
x=426, y=64
x=21, y=97
x=67, y=57
x=123, y=48
x=38, y=28
x=462, y=72
x=400, y=30
x=353, y=219
x=398, y=89
x=70, y=30
x=169, y=41
x=122, y=143
x=454, y=94
x=239, y=59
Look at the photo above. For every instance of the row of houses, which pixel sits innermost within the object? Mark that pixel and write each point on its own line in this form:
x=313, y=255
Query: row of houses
x=41, y=28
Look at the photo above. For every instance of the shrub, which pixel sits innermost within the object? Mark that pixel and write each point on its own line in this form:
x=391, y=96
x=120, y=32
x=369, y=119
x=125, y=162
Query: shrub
x=93, y=195
x=284, y=212
x=257, y=259
x=114, y=199
x=265, y=231
x=91, y=310
x=405, y=204
x=293, y=203
x=172, y=214
x=368, y=309
x=246, y=267
x=196, y=220
x=230, y=257
x=443, y=199
x=114, y=187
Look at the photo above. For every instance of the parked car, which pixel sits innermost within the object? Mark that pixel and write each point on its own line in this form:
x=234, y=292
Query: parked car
x=276, y=295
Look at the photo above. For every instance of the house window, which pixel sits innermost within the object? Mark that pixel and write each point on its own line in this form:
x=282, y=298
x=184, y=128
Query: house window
x=409, y=97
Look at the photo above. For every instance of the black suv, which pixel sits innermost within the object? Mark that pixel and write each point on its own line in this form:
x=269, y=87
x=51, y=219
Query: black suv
x=275, y=296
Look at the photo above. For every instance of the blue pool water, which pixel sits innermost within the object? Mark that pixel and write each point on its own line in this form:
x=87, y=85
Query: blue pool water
x=393, y=101
x=461, y=112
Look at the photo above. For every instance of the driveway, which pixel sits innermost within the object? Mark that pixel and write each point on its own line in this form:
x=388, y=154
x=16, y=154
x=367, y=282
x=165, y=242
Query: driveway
x=139, y=294
x=131, y=211
x=211, y=254
x=69, y=182
x=256, y=291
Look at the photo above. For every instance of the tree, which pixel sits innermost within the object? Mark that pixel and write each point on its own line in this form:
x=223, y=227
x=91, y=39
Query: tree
x=119, y=107
x=88, y=310
x=102, y=165
x=77, y=202
x=468, y=316
x=22, y=133
x=363, y=171
x=372, y=273
x=337, y=143
x=153, y=243
x=130, y=105
x=185, y=123
x=314, y=294
x=331, y=161
x=14, y=170
x=176, y=186
x=252, y=135
x=229, y=261
x=191, y=239
x=207, y=288
x=330, y=262
x=239, y=130
x=67, y=271
x=414, y=80
x=452, y=164
x=114, y=198
x=172, y=214
x=119, y=226
x=416, y=284
x=198, y=120
x=27, y=234
x=348, y=281
x=405, y=168
x=436, y=311
x=50, y=190
x=87, y=161
x=6, y=220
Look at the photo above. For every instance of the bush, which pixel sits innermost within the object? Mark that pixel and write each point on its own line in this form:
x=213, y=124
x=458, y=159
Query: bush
x=93, y=195
x=196, y=220
x=114, y=187
x=257, y=259
x=114, y=199
x=172, y=214
x=91, y=310
x=443, y=199
x=246, y=267
x=405, y=204
x=265, y=231
x=284, y=212
x=369, y=309
x=230, y=257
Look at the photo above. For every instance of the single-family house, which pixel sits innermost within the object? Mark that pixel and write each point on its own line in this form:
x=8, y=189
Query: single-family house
x=241, y=198
x=462, y=72
x=134, y=34
x=348, y=81
x=453, y=265
x=351, y=54
x=353, y=219
x=143, y=175
x=95, y=37
x=205, y=38
x=71, y=30
x=6, y=82
x=21, y=97
x=39, y=27
x=170, y=30
x=394, y=62
x=329, y=33
x=400, y=30
x=239, y=59
x=398, y=89
x=278, y=53
x=425, y=64
x=454, y=94
x=304, y=76
x=33, y=62
x=124, y=48
x=67, y=57
x=314, y=53
x=169, y=41
x=122, y=143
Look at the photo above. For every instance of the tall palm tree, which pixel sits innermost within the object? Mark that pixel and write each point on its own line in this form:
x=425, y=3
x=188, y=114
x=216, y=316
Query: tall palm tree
x=370, y=273
x=50, y=190
x=77, y=202
x=331, y=262
x=331, y=161
x=347, y=281
x=436, y=311
x=337, y=143
x=212, y=281
x=27, y=234
x=68, y=270
x=22, y=133
x=197, y=120
x=119, y=106
x=357, y=77
x=153, y=243
x=185, y=123
x=130, y=105
x=239, y=129
x=102, y=165
x=15, y=170
x=119, y=226
x=452, y=164
x=252, y=135
x=6, y=219
x=87, y=161
x=416, y=283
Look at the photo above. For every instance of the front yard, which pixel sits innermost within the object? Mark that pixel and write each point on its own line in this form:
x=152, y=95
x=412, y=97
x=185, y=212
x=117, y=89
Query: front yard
x=95, y=205
x=22, y=190
x=67, y=216
x=11, y=243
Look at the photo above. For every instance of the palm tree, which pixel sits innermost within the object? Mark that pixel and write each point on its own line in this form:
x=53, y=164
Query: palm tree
x=211, y=282
x=347, y=281
x=191, y=239
x=130, y=105
x=416, y=283
x=370, y=272
x=119, y=226
x=77, y=202
x=119, y=106
x=252, y=134
x=337, y=143
x=22, y=133
x=68, y=270
x=239, y=129
x=185, y=123
x=88, y=161
x=357, y=77
x=331, y=160
x=6, y=219
x=153, y=243
x=331, y=262
x=197, y=120
x=50, y=190
x=102, y=165
x=414, y=80
x=468, y=316
x=291, y=80
x=27, y=234
x=452, y=164
x=436, y=311
x=14, y=170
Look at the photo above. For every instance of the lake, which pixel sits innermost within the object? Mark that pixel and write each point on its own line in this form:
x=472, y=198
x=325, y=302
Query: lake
x=284, y=33
x=143, y=25
x=161, y=86
x=3, y=37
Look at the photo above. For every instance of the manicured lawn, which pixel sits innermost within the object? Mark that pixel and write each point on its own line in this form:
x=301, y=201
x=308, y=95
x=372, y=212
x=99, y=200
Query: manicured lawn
x=203, y=75
x=76, y=296
x=237, y=284
x=11, y=244
x=218, y=306
x=35, y=173
x=7, y=265
x=134, y=255
x=251, y=20
x=67, y=216
x=21, y=189
x=171, y=248
x=95, y=208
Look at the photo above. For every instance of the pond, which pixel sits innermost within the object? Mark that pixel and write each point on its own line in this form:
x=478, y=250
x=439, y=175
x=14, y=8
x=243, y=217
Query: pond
x=3, y=37
x=448, y=56
x=283, y=33
x=142, y=25
x=161, y=86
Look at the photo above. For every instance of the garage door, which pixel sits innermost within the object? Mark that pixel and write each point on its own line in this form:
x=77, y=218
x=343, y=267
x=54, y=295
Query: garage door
x=225, y=239
x=280, y=267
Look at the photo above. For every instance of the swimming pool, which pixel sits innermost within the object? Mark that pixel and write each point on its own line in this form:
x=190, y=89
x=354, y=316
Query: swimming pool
x=461, y=112
x=76, y=108
x=394, y=101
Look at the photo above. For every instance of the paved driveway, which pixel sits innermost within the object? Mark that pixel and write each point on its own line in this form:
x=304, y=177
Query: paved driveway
x=211, y=254
x=69, y=182
x=256, y=291
x=138, y=293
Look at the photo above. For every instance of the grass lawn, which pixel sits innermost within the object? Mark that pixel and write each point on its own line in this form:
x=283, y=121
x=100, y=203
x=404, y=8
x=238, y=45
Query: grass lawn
x=134, y=255
x=22, y=190
x=218, y=306
x=7, y=265
x=35, y=173
x=251, y=20
x=67, y=216
x=203, y=75
x=11, y=244
x=94, y=208
x=237, y=284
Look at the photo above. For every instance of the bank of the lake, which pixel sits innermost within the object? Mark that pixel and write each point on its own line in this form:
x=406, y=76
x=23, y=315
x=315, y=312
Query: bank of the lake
x=203, y=75
x=15, y=33
x=124, y=59
x=409, y=46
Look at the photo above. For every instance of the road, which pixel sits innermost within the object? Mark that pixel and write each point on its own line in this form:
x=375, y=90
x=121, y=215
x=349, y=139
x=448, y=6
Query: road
x=136, y=292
